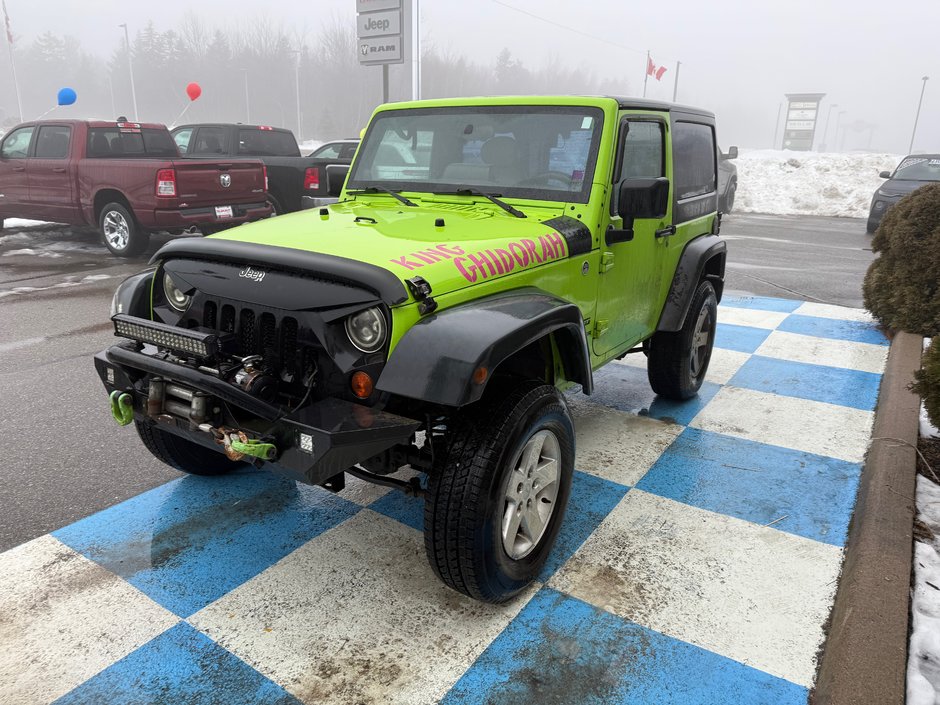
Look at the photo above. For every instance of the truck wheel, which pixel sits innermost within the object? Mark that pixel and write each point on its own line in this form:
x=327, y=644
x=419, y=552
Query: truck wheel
x=678, y=361
x=729, y=197
x=122, y=235
x=276, y=207
x=496, y=501
x=182, y=454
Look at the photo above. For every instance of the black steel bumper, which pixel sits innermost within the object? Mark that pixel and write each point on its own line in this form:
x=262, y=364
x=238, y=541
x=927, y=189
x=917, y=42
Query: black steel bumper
x=314, y=443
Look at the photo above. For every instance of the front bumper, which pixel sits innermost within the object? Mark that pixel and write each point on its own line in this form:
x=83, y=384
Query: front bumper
x=314, y=443
x=185, y=217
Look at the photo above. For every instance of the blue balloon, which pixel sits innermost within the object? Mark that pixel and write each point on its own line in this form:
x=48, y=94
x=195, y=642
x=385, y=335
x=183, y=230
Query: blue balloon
x=67, y=96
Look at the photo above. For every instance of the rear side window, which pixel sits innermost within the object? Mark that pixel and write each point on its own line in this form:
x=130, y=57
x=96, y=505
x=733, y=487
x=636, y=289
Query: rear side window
x=330, y=151
x=694, y=155
x=210, y=141
x=182, y=138
x=127, y=143
x=53, y=142
x=16, y=145
x=255, y=142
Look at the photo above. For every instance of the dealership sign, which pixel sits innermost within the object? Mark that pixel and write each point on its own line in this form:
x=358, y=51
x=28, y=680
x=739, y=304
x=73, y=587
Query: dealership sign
x=802, y=113
x=379, y=31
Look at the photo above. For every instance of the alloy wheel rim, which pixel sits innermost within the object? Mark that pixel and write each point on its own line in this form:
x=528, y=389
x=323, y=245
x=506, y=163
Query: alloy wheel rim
x=700, y=338
x=116, y=230
x=531, y=494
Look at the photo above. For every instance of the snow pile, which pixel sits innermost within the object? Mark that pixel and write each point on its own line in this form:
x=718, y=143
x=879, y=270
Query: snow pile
x=809, y=183
x=923, y=665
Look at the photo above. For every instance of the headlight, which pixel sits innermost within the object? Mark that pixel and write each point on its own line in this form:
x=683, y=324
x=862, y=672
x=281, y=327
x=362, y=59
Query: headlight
x=367, y=330
x=176, y=298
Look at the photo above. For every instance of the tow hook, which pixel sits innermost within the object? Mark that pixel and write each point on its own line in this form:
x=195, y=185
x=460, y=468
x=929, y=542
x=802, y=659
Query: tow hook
x=237, y=444
x=122, y=407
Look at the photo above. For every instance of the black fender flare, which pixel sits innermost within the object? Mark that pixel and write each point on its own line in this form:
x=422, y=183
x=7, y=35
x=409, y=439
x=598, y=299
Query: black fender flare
x=133, y=294
x=703, y=256
x=436, y=359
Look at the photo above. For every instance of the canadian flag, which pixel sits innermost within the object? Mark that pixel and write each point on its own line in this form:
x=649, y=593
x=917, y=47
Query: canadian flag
x=654, y=70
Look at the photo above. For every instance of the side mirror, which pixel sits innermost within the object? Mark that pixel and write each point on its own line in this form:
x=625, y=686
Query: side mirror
x=885, y=175
x=335, y=178
x=643, y=198
x=732, y=153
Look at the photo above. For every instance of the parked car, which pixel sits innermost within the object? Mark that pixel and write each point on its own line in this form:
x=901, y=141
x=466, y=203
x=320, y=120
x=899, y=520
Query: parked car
x=913, y=172
x=125, y=178
x=337, y=149
x=434, y=316
x=727, y=179
x=291, y=177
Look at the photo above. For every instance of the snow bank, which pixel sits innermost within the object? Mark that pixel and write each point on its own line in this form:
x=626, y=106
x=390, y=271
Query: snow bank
x=809, y=183
x=923, y=665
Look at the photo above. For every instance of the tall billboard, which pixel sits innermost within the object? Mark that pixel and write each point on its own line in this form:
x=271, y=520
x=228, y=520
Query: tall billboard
x=802, y=114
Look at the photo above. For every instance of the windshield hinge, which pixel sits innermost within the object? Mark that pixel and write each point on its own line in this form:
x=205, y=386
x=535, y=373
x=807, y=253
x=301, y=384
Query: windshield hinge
x=607, y=262
x=421, y=291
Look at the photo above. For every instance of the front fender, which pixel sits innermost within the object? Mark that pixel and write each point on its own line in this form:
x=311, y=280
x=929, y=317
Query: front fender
x=435, y=360
x=133, y=294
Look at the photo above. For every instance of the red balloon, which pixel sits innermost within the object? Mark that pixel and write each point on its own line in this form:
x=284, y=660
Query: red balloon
x=193, y=90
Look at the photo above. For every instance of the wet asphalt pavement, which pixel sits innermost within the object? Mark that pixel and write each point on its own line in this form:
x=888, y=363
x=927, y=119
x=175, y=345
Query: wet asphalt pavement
x=63, y=456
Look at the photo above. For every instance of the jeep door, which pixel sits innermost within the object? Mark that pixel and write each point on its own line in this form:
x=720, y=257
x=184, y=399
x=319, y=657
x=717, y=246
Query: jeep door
x=14, y=184
x=631, y=272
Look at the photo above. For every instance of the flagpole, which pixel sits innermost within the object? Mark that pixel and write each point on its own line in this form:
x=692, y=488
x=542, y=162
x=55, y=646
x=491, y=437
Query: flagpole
x=646, y=73
x=675, y=86
x=16, y=86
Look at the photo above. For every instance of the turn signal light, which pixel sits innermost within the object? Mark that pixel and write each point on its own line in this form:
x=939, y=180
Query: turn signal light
x=361, y=384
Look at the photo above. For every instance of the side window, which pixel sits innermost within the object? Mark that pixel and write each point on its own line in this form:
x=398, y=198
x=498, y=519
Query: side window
x=182, y=139
x=330, y=151
x=53, y=142
x=694, y=154
x=642, y=154
x=209, y=141
x=348, y=151
x=16, y=145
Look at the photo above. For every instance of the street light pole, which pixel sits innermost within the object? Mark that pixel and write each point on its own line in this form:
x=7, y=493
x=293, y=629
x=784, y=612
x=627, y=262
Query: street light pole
x=917, y=116
x=247, y=102
x=130, y=70
x=838, y=124
x=826, y=129
x=297, y=87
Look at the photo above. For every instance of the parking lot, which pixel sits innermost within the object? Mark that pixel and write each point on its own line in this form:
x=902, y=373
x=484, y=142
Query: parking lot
x=689, y=539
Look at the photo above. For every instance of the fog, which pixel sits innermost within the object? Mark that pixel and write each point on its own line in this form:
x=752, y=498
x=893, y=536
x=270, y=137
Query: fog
x=737, y=59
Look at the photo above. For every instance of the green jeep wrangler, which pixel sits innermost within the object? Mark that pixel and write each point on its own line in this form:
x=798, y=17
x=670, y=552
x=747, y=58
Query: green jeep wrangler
x=485, y=255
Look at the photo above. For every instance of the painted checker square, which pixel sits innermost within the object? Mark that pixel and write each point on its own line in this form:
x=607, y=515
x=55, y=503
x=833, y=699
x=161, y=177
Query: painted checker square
x=697, y=563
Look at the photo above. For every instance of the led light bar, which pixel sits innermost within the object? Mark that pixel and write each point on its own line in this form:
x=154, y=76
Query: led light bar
x=164, y=336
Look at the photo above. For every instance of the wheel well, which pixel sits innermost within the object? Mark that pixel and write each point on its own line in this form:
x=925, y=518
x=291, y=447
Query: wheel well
x=554, y=355
x=106, y=196
x=715, y=272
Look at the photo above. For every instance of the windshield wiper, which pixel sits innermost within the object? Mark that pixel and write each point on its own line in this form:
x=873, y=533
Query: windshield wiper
x=382, y=189
x=466, y=191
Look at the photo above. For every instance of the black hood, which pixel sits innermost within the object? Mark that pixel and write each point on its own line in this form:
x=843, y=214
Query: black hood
x=900, y=187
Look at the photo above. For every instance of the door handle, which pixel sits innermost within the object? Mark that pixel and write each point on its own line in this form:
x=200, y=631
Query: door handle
x=666, y=232
x=59, y=170
x=19, y=168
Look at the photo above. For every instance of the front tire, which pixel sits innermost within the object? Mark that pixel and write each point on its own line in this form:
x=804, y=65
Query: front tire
x=182, y=454
x=678, y=361
x=728, y=200
x=495, y=504
x=871, y=226
x=120, y=231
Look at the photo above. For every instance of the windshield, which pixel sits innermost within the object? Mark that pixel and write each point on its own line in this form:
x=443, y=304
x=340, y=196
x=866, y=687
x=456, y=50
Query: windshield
x=919, y=169
x=541, y=153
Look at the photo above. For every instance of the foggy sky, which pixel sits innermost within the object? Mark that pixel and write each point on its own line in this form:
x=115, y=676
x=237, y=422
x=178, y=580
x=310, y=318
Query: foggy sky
x=738, y=58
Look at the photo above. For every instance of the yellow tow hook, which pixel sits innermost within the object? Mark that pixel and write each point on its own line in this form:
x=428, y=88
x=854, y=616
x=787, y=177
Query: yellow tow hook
x=122, y=407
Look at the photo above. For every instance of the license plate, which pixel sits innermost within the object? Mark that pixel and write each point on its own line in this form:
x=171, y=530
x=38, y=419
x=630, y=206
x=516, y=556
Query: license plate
x=223, y=212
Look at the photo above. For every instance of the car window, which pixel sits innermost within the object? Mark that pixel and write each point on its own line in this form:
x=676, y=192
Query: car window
x=128, y=142
x=918, y=169
x=694, y=154
x=209, y=141
x=327, y=151
x=348, y=151
x=265, y=142
x=642, y=155
x=16, y=145
x=182, y=138
x=53, y=142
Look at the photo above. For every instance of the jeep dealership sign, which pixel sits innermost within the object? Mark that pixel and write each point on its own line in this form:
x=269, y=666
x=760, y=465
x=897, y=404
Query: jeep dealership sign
x=379, y=31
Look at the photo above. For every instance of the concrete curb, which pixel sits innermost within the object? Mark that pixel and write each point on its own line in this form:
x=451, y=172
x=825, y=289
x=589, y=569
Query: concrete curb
x=864, y=659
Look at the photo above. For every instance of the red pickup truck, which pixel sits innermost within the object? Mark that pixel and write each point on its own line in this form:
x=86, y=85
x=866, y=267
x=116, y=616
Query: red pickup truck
x=128, y=179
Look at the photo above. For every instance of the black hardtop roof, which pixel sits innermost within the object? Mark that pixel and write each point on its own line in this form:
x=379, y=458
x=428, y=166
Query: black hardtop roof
x=649, y=104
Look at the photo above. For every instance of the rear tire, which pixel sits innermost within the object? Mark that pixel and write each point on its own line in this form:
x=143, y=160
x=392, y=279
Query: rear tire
x=182, y=454
x=276, y=207
x=496, y=501
x=678, y=361
x=120, y=231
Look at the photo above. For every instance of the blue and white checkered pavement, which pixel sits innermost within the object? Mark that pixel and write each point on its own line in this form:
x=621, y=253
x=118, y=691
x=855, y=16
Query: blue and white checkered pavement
x=697, y=563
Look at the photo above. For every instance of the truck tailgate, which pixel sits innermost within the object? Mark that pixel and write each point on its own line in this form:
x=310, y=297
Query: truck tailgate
x=209, y=183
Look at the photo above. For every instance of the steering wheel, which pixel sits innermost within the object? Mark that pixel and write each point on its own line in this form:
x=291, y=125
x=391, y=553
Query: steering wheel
x=546, y=177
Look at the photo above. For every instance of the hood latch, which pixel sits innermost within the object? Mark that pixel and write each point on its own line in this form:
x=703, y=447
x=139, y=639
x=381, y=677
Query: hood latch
x=421, y=290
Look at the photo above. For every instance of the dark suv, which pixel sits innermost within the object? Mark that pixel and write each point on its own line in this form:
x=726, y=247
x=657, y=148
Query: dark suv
x=913, y=172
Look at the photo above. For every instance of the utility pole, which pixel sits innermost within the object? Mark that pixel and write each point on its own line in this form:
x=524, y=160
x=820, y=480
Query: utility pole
x=826, y=128
x=247, y=102
x=130, y=70
x=675, y=86
x=297, y=87
x=777, y=125
x=917, y=116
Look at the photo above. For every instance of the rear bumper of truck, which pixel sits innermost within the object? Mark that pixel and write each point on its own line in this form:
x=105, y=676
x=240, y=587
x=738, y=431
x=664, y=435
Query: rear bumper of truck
x=313, y=444
x=185, y=217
